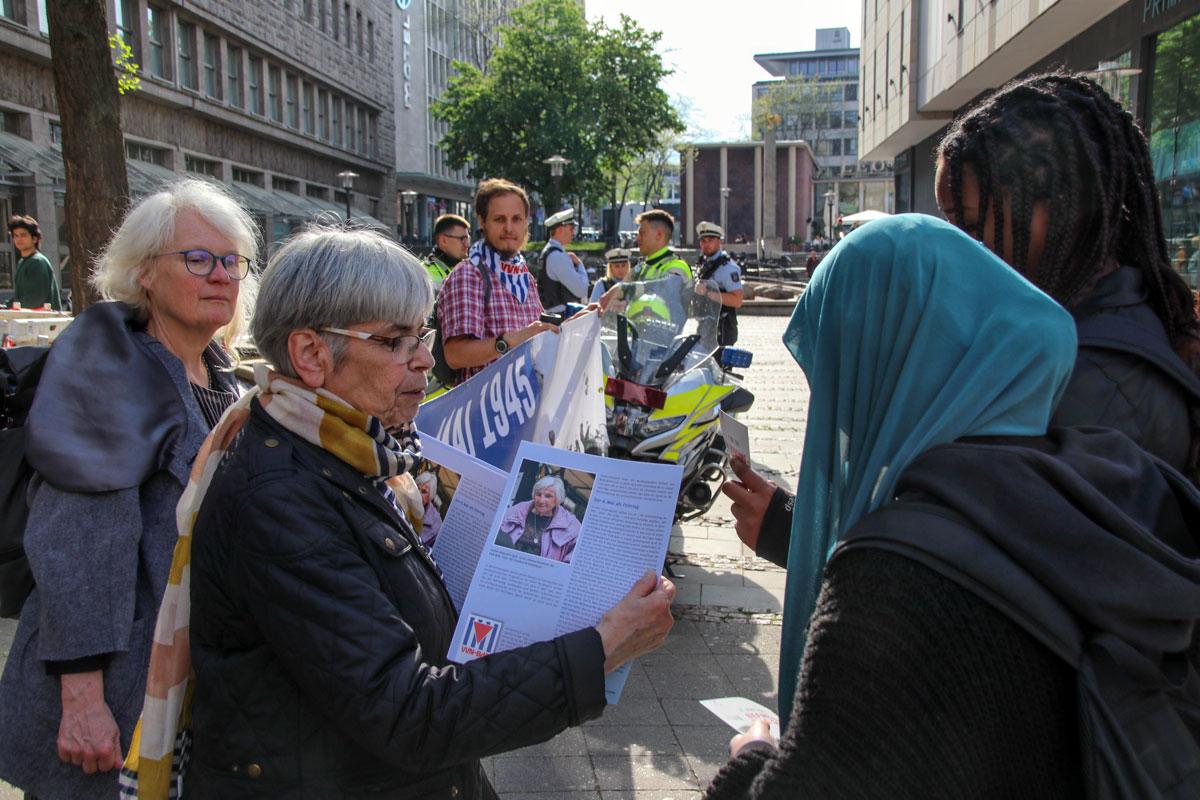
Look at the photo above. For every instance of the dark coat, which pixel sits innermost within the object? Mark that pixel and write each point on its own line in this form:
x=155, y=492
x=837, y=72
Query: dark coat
x=1119, y=385
x=113, y=430
x=933, y=683
x=319, y=636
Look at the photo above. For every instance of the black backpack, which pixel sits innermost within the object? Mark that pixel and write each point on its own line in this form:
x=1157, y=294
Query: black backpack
x=20, y=370
x=445, y=374
x=1136, y=718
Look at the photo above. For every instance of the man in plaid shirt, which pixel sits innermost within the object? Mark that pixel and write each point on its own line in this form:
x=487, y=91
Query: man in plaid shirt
x=476, y=333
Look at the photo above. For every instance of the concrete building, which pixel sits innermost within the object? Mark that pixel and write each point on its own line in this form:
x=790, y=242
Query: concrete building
x=272, y=99
x=928, y=60
x=826, y=116
x=429, y=35
x=770, y=190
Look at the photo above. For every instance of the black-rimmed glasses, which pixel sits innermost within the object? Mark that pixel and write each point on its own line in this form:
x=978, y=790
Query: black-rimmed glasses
x=404, y=345
x=201, y=263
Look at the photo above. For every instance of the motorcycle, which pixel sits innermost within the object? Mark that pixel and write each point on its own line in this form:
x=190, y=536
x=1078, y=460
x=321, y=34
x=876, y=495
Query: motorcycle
x=667, y=381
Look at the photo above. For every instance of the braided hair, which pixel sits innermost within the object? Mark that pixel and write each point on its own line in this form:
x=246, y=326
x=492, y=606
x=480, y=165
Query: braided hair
x=1059, y=138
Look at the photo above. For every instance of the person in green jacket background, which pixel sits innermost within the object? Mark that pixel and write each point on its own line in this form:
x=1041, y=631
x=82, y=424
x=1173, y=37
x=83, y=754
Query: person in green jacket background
x=35, y=283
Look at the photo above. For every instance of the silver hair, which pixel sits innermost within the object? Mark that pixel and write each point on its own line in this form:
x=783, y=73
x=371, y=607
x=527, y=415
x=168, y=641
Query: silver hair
x=334, y=277
x=430, y=478
x=148, y=229
x=552, y=481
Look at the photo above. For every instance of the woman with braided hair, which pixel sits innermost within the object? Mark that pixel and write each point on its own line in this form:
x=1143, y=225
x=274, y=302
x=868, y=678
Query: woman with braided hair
x=1055, y=177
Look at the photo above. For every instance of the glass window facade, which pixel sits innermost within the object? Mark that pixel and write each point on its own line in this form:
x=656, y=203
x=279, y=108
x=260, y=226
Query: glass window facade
x=212, y=60
x=186, y=53
x=1174, y=128
x=156, y=32
x=233, y=75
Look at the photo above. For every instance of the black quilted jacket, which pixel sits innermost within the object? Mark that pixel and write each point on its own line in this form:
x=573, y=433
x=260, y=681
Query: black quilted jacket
x=319, y=633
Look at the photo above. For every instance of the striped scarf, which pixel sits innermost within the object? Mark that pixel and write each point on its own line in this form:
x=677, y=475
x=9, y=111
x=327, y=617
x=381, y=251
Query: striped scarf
x=513, y=275
x=157, y=759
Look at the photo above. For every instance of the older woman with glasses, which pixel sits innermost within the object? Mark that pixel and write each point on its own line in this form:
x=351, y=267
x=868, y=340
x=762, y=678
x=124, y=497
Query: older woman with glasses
x=319, y=625
x=128, y=394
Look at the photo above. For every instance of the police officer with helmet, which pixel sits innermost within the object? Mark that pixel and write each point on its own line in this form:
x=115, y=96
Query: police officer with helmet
x=719, y=278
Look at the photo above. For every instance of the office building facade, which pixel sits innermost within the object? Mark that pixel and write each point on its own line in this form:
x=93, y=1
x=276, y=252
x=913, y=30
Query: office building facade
x=929, y=60
x=271, y=99
x=827, y=117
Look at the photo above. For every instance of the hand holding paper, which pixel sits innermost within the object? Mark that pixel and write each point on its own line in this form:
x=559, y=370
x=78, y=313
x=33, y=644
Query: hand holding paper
x=639, y=623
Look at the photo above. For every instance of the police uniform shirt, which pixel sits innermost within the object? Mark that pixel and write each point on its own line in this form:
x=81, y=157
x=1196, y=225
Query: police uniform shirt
x=560, y=267
x=728, y=276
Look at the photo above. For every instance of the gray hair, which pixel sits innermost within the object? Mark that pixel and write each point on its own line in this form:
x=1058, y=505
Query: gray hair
x=148, y=229
x=334, y=277
x=554, y=482
x=428, y=478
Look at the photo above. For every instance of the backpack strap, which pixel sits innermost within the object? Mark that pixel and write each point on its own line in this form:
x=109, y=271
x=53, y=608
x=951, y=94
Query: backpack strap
x=1122, y=334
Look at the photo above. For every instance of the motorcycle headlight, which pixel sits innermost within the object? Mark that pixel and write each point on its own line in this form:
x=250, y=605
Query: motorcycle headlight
x=653, y=427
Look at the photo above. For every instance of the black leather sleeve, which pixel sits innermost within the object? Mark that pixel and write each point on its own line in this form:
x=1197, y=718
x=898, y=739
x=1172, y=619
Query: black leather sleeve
x=774, y=537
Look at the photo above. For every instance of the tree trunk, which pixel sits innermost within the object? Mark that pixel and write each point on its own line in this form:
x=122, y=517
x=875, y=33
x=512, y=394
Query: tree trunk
x=89, y=108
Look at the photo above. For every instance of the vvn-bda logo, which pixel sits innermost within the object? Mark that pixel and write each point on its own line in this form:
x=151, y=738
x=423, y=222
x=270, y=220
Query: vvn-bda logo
x=481, y=637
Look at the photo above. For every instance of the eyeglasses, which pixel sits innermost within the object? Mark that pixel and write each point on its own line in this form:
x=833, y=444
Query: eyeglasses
x=405, y=345
x=466, y=237
x=201, y=263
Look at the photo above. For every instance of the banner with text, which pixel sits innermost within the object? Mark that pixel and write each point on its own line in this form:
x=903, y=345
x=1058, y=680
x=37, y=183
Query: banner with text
x=548, y=390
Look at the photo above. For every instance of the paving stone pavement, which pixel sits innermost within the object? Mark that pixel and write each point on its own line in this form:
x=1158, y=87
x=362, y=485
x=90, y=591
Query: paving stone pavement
x=659, y=743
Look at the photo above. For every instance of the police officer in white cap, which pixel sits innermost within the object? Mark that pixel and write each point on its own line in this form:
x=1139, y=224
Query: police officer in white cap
x=562, y=278
x=719, y=278
x=619, y=260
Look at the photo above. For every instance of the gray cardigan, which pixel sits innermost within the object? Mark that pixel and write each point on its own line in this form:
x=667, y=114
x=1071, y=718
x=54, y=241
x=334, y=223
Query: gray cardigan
x=100, y=562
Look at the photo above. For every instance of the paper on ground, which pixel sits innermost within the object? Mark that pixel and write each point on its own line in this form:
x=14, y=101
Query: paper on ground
x=736, y=435
x=740, y=713
x=519, y=598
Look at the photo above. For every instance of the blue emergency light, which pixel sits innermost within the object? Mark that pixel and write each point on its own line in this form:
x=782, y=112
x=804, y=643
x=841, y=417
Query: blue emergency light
x=735, y=357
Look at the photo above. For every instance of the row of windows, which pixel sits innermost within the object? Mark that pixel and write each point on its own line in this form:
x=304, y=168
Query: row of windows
x=830, y=93
x=212, y=169
x=221, y=71
x=14, y=10
x=823, y=67
x=340, y=20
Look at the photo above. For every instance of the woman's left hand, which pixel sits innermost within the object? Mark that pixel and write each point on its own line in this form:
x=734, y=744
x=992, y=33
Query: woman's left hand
x=760, y=731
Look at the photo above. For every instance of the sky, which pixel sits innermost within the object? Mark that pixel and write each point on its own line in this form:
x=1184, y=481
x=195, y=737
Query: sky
x=711, y=46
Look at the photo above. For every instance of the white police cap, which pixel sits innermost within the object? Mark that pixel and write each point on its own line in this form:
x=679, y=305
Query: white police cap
x=710, y=229
x=567, y=215
x=618, y=254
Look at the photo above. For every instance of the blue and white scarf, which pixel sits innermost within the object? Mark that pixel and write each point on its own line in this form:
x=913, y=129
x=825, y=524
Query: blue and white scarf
x=513, y=274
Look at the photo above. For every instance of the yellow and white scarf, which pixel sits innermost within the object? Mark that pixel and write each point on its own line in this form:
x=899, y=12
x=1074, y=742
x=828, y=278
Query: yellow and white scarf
x=157, y=758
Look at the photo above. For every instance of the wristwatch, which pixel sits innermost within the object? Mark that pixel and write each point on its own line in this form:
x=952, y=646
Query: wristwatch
x=501, y=345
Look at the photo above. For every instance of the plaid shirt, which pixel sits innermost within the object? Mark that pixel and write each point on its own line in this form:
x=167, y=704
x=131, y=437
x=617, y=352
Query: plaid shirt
x=461, y=311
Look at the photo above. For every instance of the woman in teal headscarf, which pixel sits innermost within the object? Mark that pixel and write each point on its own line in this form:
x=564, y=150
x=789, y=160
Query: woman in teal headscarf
x=944, y=525
x=911, y=335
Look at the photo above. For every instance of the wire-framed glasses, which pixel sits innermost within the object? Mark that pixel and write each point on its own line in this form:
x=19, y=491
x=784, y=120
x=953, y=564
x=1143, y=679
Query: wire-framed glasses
x=201, y=263
x=404, y=345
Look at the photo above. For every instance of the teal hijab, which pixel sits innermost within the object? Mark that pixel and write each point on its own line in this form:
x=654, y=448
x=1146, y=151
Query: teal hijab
x=911, y=334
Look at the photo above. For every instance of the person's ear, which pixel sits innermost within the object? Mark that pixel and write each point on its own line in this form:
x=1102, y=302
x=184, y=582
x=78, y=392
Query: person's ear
x=311, y=358
x=145, y=276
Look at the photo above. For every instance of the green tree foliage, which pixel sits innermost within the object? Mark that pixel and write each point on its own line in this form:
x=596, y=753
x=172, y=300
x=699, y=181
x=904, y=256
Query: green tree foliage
x=556, y=85
x=796, y=108
x=127, y=68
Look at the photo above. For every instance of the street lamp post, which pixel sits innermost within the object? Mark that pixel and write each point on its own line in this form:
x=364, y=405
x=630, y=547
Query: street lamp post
x=557, y=163
x=829, y=213
x=347, y=179
x=725, y=192
x=409, y=198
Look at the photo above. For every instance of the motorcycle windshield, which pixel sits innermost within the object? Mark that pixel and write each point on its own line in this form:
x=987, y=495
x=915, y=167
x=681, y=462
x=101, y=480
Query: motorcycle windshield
x=658, y=329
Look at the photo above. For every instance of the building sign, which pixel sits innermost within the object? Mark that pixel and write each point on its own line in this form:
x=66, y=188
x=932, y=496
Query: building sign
x=1152, y=9
x=406, y=49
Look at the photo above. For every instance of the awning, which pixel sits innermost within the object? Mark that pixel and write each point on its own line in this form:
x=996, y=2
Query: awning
x=23, y=156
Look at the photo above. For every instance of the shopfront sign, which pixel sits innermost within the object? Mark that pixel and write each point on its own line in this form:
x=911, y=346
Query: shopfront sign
x=1152, y=9
x=406, y=50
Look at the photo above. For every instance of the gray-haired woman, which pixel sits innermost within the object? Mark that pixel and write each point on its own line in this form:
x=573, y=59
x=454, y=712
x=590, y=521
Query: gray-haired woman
x=319, y=626
x=541, y=526
x=431, y=522
x=128, y=394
